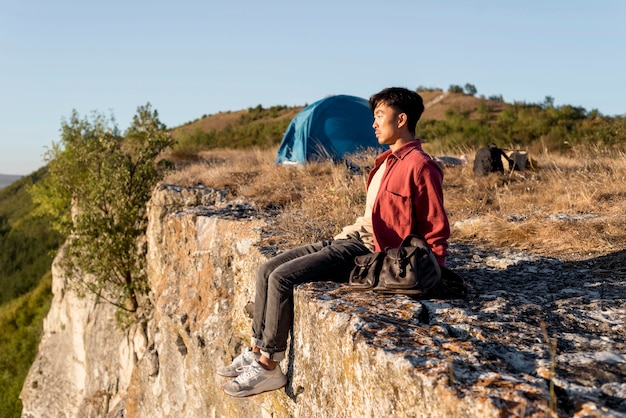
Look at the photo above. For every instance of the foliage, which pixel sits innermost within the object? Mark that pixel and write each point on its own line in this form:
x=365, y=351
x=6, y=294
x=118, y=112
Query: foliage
x=455, y=88
x=27, y=242
x=21, y=322
x=600, y=131
x=475, y=122
x=258, y=128
x=237, y=137
x=258, y=113
x=540, y=127
x=96, y=189
x=470, y=89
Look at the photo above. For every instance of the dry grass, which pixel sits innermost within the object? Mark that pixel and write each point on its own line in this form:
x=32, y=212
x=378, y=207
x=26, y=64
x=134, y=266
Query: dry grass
x=571, y=206
x=438, y=102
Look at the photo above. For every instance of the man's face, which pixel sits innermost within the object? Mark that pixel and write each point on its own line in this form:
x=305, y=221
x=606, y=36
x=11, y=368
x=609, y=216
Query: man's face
x=386, y=124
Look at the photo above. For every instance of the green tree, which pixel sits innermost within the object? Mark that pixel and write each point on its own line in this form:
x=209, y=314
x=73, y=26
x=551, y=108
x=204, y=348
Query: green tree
x=470, y=89
x=548, y=102
x=455, y=88
x=97, y=187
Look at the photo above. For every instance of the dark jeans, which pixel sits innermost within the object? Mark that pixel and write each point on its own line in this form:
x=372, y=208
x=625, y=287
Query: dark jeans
x=275, y=279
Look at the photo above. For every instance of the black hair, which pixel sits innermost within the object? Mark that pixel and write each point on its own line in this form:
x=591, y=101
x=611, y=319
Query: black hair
x=402, y=100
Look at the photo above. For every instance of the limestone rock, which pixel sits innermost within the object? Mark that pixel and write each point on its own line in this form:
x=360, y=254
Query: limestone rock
x=537, y=336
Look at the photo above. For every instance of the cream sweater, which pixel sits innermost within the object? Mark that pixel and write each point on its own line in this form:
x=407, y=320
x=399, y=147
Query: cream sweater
x=363, y=224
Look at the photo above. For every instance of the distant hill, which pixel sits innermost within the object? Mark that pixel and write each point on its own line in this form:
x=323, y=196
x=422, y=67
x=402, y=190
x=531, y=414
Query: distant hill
x=436, y=103
x=228, y=119
x=6, y=179
x=262, y=127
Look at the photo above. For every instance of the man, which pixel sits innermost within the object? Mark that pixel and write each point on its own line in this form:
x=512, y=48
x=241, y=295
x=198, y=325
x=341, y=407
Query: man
x=404, y=196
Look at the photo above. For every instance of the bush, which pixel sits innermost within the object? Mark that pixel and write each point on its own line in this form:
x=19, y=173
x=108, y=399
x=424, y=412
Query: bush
x=21, y=322
x=470, y=89
x=27, y=242
x=96, y=190
x=455, y=89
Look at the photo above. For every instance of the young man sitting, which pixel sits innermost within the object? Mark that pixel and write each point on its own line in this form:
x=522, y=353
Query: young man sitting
x=404, y=196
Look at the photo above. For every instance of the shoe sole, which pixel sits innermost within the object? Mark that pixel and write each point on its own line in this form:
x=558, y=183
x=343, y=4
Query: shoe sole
x=234, y=374
x=248, y=394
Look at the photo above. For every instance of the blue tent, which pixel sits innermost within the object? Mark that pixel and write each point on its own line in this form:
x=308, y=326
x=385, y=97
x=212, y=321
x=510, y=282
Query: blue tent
x=328, y=129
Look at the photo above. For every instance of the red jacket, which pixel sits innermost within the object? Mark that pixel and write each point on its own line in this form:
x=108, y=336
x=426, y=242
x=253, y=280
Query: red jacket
x=410, y=200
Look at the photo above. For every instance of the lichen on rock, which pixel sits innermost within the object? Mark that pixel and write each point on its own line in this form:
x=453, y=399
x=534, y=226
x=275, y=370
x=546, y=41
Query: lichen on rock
x=536, y=337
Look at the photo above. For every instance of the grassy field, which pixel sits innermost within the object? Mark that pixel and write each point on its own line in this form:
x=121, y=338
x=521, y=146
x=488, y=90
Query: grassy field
x=569, y=206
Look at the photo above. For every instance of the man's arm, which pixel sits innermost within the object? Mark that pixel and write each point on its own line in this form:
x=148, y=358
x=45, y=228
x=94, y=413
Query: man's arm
x=431, y=218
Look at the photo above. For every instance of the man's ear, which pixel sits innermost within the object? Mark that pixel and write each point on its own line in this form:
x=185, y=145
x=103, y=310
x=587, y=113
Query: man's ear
x=402, y=119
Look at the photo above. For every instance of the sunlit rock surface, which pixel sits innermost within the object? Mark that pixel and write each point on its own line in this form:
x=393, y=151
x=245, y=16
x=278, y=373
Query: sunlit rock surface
x=537, y=337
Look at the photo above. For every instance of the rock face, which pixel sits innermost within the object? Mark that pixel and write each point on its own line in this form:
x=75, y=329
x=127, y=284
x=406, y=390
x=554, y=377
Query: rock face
x=84, y=363
x=537, y=337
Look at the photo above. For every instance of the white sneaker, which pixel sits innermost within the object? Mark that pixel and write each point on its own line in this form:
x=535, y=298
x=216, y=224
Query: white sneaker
x=239, y=364
x=256, y=379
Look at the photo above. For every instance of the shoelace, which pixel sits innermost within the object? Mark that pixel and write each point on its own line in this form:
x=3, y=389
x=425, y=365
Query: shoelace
x=242, y=369
x=247, y=373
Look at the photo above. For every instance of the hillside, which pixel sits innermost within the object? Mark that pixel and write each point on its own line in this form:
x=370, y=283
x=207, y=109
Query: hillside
x=436, y=103
x=222, y=120
x=454, y=120
x=5, y=180
x=26, y=241
x=27, y=245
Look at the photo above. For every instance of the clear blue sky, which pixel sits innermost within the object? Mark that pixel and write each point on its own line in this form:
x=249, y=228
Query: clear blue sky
x=191, y=58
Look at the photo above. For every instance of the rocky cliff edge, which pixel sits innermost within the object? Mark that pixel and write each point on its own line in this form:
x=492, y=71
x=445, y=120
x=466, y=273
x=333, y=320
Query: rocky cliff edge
x=537, y=337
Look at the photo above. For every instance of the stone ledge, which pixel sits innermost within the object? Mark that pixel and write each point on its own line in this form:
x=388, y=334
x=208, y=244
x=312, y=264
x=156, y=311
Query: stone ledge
x=486, y=357
x=362, y=354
